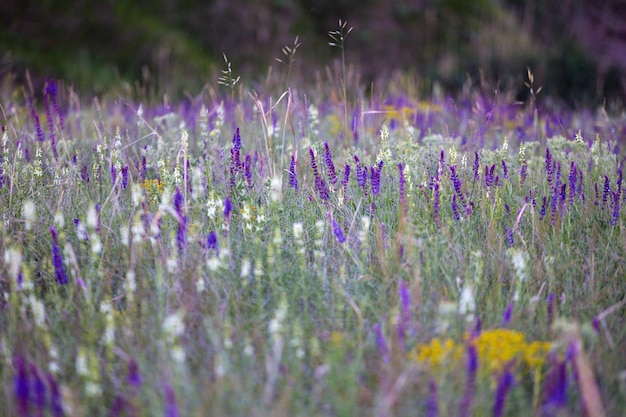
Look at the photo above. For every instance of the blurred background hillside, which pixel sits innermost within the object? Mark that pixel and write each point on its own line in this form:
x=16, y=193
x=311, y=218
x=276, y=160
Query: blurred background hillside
x=575, y=48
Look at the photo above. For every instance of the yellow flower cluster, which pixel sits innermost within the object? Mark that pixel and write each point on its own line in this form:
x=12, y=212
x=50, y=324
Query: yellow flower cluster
x=153, y=188
x=495, y=348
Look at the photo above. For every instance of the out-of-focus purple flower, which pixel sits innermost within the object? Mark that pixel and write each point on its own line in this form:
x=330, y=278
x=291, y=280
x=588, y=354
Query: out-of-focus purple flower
x=401, y=183
x=557, y=175
x=211, y=241
x=510, y=240
x=50, y=120
x=40, y=135
x=235, y=158
x=505, y=383
x=51, y=90
x=470, y=386
x=442, y=159
x=133, y=377
x=39, y=389
x=506, y=316
x=338, y=232
x=595, y=187
x=505, y=170
x=489, y=175
x=355, y=125
x=615, y=215
x=432, y=404
x=117, y=407
x=595, y=323
x=381, y=342
x=178, y=201
x=456, y=182
x=553, y=207
x=247, y=171
x=436, y=202
x=57, y=259
x=21, y=385
x=293, y=179
x=328, y=157
x=542, y=211
x=56, y=404
x=181, y=233
x=113, y=174
x=346, y=178
x=171, y=408
x=228, y=208
x=84, y=174
x=555, y=386
x=125, y=177
x=361, y=174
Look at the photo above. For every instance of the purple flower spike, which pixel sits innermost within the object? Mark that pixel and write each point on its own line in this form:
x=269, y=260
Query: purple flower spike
x=332, y=176
x=549, y=166
x=381, y=343
x=57, y=260
x=505, y=383
x=523, y=173
x=171, y=408
x=455, y=209
x=472, y=367
x=125, y=177
x=505, y=169
x=509, y=236
x=178, y=201
x=555, y=387
x=401, y=182
x=316, y=172
x=476, y=166
x=21, y=385
x=247, y=171
x=228, y=208
x=293, y=179
x=432, y=405
x=181, y=234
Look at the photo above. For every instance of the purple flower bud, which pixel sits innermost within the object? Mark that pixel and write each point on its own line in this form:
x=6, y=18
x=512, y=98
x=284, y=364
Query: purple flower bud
x=57, y=260
x=607, y=189
x=293, y=179
x=455, y=209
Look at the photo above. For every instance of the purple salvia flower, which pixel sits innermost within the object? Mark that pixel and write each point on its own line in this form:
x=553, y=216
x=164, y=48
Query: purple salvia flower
x=553, y=206
x=523, y=173
x=549, y=166
x=401, y=183
x=432, y=404
x=133, y=378
x=316, y=172
x=572, y=182
x=472, y=367
x=125, y=177
x=181, y=233
x=606, y=190
x=328, y=157
x=56, y=404
x=375, y=180
x=506, y=316
x=505, y=383
x=178, y=201
x=381, y=343
x=113, y=174
x=346, y=178
x=39, y=390
x=456, y=182
x=436, y=202
x=579, y=188
x=247, y=171
x=563, y=194
x=337, y=231
x=40, y=135
x=321, y=188
x=509, y=236
x=505, y=169
x=542, y=211
x=489, y=175
x=361, y=173
x=455, y=209
x=51, y=90
x=57, y=260
x=476, y=166
x=293, y=179
x=555, y=387
x=404, y=319
x=171, y=408
x=21, y=386
x=211, y=241
x=228, y=208
x=595, y=187
x=442, y=159
x=557, y=175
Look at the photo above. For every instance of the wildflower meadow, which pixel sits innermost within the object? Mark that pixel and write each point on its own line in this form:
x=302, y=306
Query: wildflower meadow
x=284, y=251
